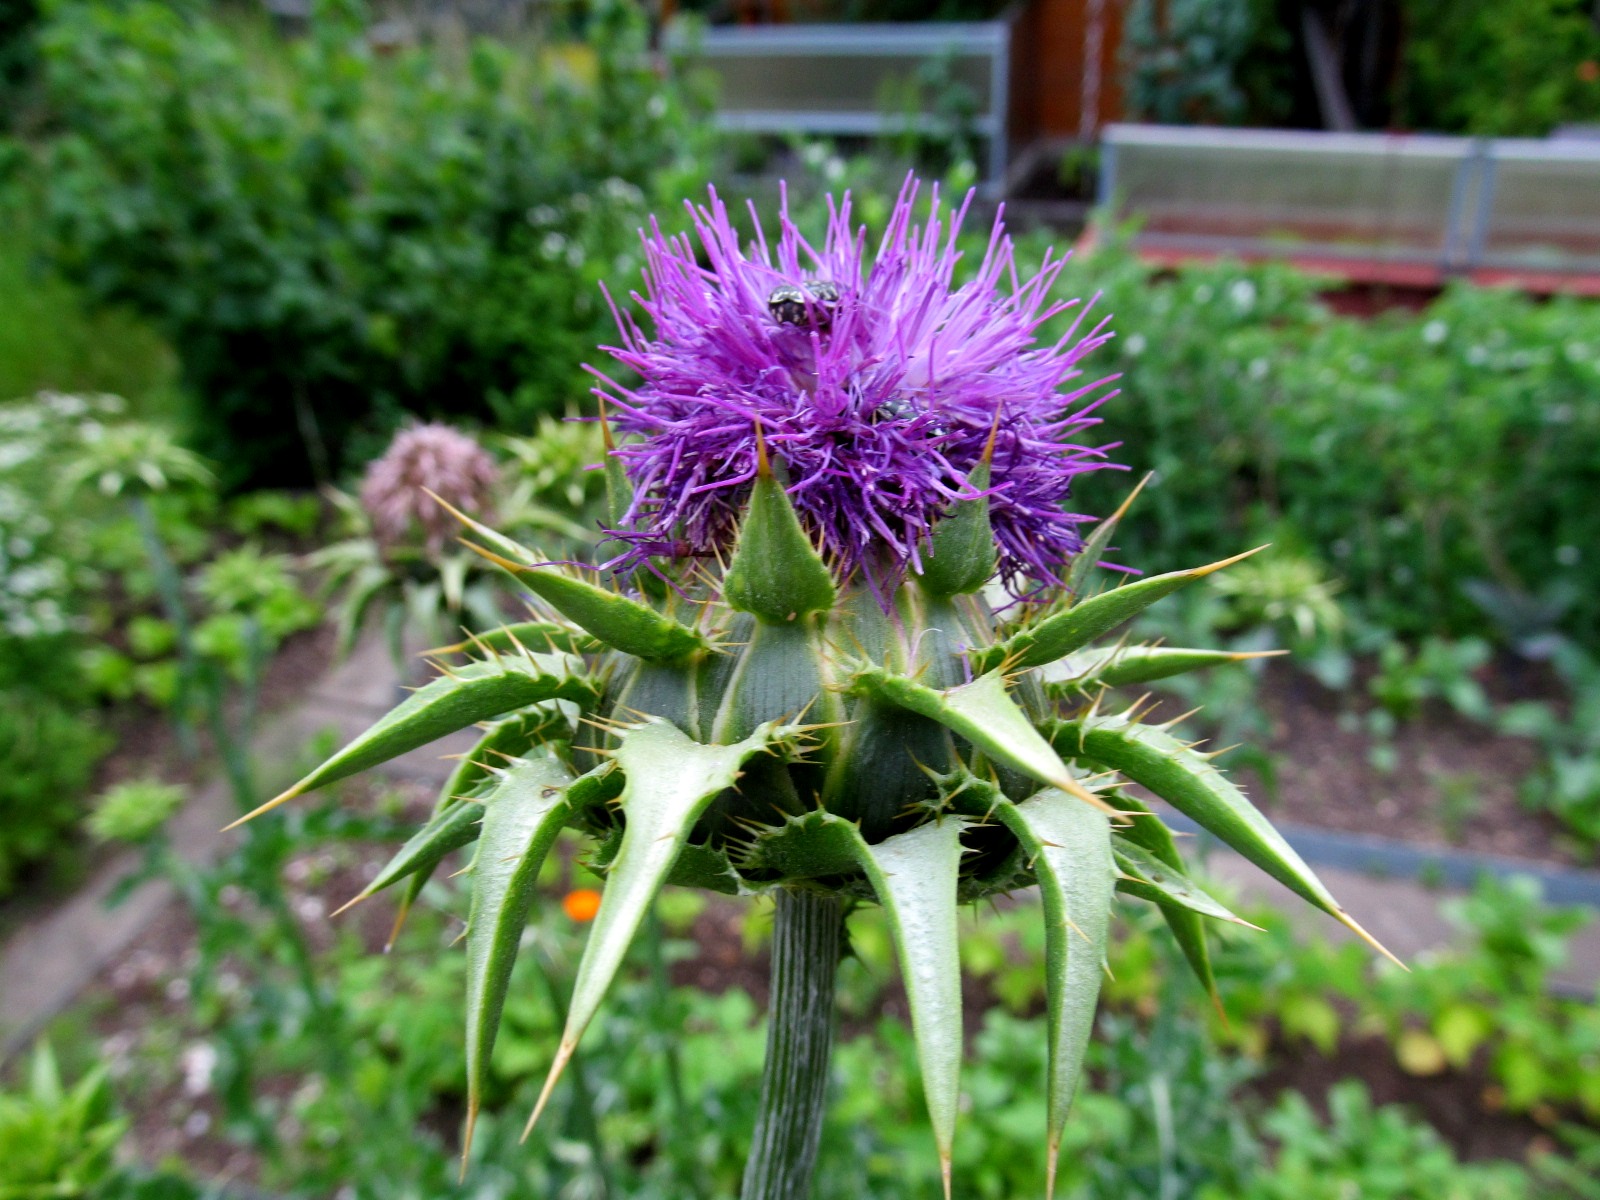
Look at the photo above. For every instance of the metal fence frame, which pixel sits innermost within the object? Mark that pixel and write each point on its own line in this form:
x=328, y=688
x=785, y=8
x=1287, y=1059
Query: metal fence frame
x=921, y=41
x=1463, y=244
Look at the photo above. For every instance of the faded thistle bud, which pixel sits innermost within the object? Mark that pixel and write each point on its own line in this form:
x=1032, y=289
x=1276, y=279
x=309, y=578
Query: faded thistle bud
x=421, y=459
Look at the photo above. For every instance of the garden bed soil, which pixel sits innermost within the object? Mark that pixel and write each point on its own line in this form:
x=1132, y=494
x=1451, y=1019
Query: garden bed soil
x=1462, y=1105
x=1454, y=784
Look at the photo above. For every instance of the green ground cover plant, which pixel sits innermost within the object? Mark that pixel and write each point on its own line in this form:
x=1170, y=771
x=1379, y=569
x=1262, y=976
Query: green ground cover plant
x=657, y=1105
x=89, y=619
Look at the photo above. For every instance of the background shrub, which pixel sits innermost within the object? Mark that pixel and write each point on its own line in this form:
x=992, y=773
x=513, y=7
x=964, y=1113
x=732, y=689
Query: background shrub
x=330, y=239
x=1499, y=67
x=1412, y=454
x=18, y=53
x=49, y=753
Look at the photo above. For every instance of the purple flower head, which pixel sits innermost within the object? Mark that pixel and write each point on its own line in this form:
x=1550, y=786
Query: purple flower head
x=875, y=382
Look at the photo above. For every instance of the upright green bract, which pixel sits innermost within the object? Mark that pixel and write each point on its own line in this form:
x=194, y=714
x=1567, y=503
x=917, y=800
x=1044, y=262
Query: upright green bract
x=836, y=716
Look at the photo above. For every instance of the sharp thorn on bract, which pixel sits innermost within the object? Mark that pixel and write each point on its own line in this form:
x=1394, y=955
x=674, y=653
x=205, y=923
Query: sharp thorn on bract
x=1122, y=509
x=1354, y=927
x=399, y=923
x=1073, y=788
x=497, y=559
x=563, y=1056
x=1211, y=568
x=466, y=1140
x=284, y=798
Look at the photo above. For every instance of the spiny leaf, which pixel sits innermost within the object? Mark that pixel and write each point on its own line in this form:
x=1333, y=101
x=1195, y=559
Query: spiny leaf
x=1151, y=756
x=471, y=693
x=495, y=540
x=513, y=737
x=1188, y=929
x=914, y=875
x=1147, y=878
x=1071, y=844
x=448, y=830
x=776, y=573
x=984, y=713
x=804, y=847
x=1098, y=542
x=669, y=781
x=522, y=814
x=706, y=869
x=503, y=740
x=1120, y=666
x=1071, y=629
x=536, y=637
x=622, y=623
x=961, y=556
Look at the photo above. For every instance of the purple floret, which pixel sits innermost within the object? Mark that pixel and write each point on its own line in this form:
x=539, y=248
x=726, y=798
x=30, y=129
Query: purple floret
x=876, y=406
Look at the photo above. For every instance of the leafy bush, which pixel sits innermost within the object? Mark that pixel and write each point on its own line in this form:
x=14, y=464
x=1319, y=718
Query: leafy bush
x=56, y=1141
x=1500, y=67
x=18, y=54
x=47, y=757
x=336, y=239
x=1412, y=454
x=1180, y=58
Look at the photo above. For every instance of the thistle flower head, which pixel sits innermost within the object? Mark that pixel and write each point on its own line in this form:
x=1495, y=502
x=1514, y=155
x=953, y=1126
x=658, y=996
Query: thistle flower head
x=875, y=381
x=421, y=459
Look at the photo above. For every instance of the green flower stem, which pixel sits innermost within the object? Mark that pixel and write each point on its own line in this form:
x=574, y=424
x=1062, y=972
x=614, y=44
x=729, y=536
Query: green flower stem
x=169, y=589
x=807, y=936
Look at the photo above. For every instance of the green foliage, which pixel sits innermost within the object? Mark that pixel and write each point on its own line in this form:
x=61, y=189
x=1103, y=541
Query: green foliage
x=51, y=340
x=1374, y=1153
x=1180, y=59
x=1488, y=1000
x=134, y=811
x=295, y=513
x=18, y=54
x=342, y=238
x=48, y=754
x=57, y=1141
x=1411, y=454
x=131, y=459
x=1568, y=781
x=1287, y=592
x=1508, y=68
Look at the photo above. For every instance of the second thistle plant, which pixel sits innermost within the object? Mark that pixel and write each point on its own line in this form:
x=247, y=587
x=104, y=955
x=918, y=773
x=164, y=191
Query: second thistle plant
x=795, y=685
x=398, y=558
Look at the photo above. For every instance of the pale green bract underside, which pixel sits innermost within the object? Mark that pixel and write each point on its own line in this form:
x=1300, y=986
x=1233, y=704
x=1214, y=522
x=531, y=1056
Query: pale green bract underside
x=1016, y=766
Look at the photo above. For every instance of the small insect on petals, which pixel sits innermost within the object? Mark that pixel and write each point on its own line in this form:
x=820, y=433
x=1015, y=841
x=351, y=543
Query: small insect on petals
x=805, y=306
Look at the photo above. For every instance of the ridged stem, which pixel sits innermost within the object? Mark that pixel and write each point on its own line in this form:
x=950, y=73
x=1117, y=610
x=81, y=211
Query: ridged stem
x=806, y=941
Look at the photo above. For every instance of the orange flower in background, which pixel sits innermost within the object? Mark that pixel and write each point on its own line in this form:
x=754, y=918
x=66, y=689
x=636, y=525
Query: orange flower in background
x=1589, y=70
x=581, y=904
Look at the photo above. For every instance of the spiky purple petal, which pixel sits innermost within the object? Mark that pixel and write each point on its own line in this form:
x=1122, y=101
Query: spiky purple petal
x=876, y=413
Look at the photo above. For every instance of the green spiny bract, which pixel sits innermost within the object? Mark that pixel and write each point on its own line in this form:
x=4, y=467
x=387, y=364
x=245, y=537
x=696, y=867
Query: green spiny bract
x=772, y=726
